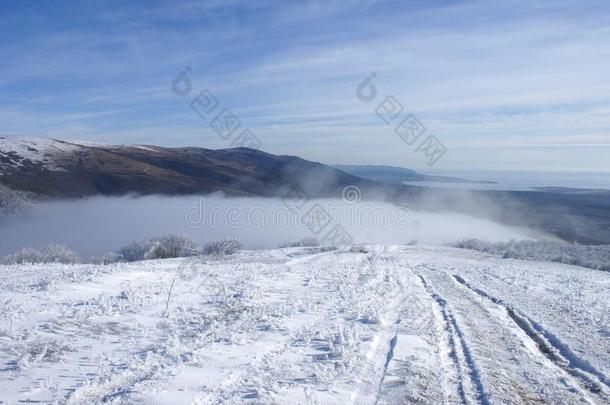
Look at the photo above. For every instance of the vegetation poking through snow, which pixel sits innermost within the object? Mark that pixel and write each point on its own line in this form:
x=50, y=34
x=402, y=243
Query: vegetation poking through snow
x=51, y=253
x=162, y=247
x=593, y=257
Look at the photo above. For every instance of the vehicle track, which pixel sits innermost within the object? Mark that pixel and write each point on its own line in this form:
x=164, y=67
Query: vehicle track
x=419, y=364
x=588, y=377
x=490, y=337
x=470, y=386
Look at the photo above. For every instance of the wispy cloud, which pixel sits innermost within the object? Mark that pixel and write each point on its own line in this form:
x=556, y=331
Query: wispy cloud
x=502, y=75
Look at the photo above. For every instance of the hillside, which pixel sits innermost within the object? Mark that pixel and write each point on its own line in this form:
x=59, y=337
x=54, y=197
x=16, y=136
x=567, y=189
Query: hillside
x=378, y=324
x=62, y=169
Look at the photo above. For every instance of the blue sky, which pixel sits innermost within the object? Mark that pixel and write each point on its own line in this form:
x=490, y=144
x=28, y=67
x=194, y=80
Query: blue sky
x=505, y=85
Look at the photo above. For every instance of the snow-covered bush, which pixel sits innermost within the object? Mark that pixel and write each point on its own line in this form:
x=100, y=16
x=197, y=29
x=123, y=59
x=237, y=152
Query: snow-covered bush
x=107, y=258
x=359, y=249
x=163, y=247
x=594, y=257
x=136, y=250
x=51, y=253
x=12, y=201
x=175, y=246
x=301, y=243
x=222, y=247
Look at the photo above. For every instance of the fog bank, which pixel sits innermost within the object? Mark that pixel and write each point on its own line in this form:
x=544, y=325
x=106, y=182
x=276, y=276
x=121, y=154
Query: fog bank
x=99, y=225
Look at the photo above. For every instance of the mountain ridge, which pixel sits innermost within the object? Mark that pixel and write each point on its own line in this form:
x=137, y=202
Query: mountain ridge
x=66, y=169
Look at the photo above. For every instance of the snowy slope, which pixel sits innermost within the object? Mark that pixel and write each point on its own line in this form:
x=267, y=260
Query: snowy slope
x=380, y=324
x=16, y=152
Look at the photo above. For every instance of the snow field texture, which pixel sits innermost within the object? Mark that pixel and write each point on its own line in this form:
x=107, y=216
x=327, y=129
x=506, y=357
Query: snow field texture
x=379, y=324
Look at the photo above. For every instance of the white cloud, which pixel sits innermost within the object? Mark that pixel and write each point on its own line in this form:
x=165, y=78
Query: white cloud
x=478, y=74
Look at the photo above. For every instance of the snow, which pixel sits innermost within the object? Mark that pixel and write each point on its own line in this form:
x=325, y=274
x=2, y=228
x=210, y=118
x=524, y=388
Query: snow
x=91, y=143
x=384, y=324
x=147, y=148
x=36, y=150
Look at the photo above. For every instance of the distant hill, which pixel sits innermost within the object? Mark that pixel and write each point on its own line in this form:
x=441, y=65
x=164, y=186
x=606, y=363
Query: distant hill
x=393, y=174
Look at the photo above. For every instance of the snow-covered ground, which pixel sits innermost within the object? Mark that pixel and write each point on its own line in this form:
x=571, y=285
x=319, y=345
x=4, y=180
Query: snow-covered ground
x=15, y=151
x=379, y=324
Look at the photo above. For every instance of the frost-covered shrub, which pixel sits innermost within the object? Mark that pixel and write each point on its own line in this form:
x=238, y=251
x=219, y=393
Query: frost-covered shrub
x=107, y=258
x=359, y=249
x=163, y=247
x=12, y=201
x=174, y=246
x=594, y=257
x=136, y=250
x=51, y=253
x=301, y=243
x=222, y=247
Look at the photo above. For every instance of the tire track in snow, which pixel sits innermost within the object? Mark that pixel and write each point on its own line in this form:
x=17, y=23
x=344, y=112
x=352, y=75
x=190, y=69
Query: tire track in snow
x=419, y=366
x=491, y=338
x=470, y=382
x=384, y=340
x=389, y=356
x=586, y=375
x=405, y=364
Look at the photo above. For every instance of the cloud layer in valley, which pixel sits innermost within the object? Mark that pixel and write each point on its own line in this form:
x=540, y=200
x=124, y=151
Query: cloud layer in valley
x=99, y=225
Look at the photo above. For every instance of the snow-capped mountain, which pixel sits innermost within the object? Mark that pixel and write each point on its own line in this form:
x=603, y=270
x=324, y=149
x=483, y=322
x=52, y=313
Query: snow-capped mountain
x=19, y=153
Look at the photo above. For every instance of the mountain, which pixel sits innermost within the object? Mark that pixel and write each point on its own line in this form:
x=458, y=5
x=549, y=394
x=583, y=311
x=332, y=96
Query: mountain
x=61, y=169
x=393, y=174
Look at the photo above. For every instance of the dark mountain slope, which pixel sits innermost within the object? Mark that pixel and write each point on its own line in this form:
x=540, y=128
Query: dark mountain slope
x=59, y=169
